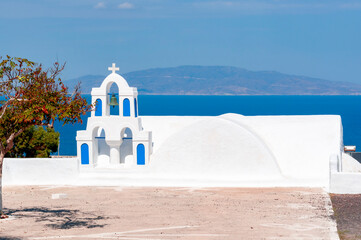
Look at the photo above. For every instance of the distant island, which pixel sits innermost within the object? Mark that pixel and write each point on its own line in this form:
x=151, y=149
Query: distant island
x=221, y=80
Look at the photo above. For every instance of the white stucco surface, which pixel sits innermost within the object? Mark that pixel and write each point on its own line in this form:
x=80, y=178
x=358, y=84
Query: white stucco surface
x=40, y=171
x=345, y=183
x=166, y=126
x=349, y=164
x=214, y=148
x=243, y=148
x=228, y=150
x=347, y=179
x=302, y=145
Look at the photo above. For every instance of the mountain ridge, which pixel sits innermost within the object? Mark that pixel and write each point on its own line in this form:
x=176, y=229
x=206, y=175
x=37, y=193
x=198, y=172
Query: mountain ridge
x=221, y=80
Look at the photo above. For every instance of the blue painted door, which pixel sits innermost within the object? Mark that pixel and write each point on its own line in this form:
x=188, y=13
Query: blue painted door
x=140, y=154
x=126, y=108
x=98, y=108
x=135, y=108
x=84, y=153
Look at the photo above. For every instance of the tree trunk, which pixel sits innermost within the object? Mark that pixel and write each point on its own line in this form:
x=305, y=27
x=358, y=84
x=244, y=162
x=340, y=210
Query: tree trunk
x=3, y=151
x=1, y=198
x=2, y=215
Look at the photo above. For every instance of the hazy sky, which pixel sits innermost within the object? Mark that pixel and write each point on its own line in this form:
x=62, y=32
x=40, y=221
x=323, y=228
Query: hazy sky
x=306, y=37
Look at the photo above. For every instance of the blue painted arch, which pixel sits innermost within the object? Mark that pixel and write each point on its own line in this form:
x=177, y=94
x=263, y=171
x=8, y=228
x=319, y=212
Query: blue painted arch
x=84, y=149
x=126, y=107
x=140, y=154
x=98, y=108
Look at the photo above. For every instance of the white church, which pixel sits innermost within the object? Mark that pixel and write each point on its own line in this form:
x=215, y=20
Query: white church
x=114, y=140
x=120, y=148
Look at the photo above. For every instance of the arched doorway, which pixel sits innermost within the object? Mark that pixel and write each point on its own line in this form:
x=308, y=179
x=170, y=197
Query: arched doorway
x=140, y=154
x=84, y=153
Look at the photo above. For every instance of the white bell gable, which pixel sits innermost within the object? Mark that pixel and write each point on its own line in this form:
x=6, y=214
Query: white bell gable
x=114, y=140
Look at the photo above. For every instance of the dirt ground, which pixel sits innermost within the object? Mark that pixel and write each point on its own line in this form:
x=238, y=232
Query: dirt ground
x=347, y=209
x=167, y=213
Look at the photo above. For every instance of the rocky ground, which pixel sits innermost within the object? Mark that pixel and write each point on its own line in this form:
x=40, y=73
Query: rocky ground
x=347, y=209
x=166, y=213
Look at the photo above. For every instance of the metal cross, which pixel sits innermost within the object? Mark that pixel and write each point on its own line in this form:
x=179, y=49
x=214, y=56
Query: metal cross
x=113, y=68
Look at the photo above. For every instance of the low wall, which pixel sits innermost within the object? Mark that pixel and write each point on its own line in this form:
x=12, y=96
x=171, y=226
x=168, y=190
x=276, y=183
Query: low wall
x=40, y=171
x=341, y=181
x=345, y=183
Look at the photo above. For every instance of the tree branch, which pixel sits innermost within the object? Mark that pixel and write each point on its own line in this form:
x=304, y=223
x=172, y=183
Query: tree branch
x=2, y=149
x=49, y=125
x=3, y=108
x=10, y=140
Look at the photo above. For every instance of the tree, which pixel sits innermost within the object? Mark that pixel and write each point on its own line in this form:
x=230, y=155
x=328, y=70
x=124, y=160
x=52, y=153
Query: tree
x=33, y=96
x=36, y=142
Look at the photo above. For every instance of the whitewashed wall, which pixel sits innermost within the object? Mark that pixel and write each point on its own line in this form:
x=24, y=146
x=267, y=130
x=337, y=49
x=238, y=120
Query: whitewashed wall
x=284, y=150
x=299, y=145
x=302, y=145
x=40, y=171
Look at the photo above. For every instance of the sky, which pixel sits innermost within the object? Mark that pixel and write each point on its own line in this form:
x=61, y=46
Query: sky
x=316, y=38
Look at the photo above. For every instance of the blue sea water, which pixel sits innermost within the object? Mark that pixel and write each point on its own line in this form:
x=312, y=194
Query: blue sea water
x=349, y=107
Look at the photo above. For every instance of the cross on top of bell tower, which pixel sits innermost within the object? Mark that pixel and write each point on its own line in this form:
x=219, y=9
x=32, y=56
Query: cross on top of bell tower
x=113, y=68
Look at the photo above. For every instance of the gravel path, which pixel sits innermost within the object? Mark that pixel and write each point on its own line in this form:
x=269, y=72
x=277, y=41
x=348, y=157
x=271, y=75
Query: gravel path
x=167, y=213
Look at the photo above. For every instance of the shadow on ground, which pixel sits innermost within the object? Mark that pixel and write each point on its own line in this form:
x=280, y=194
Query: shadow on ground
x=9, y=238
x=58, y=218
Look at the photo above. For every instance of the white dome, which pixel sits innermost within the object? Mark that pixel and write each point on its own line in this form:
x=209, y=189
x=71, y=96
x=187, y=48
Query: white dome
x=215, y=148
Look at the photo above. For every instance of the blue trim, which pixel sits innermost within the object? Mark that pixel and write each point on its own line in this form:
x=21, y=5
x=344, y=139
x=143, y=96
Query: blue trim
x=104, y=138
x=140, y=154
x=116, y=94
x=135, y=108
x=98, y=108
x=126, y=107
x=84, y=153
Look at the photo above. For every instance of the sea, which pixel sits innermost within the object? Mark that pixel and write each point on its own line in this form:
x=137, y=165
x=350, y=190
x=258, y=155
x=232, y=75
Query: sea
x=348, y=107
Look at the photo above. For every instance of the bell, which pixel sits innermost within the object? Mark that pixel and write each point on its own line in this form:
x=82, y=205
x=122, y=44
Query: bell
x=113, y=101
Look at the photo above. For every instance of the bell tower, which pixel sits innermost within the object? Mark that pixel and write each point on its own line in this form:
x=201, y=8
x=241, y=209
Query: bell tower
x=114, y=140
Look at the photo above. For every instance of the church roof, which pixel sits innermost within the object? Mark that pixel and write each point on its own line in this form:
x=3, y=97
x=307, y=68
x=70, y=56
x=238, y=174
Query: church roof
x=115, y=78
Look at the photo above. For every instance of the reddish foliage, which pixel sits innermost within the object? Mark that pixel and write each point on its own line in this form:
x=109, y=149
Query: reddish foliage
x=34, y=96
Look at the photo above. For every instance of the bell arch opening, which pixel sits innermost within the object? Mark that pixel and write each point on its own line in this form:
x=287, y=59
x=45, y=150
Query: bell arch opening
x=126, y=148
x=113, y=99
x=101, y=150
